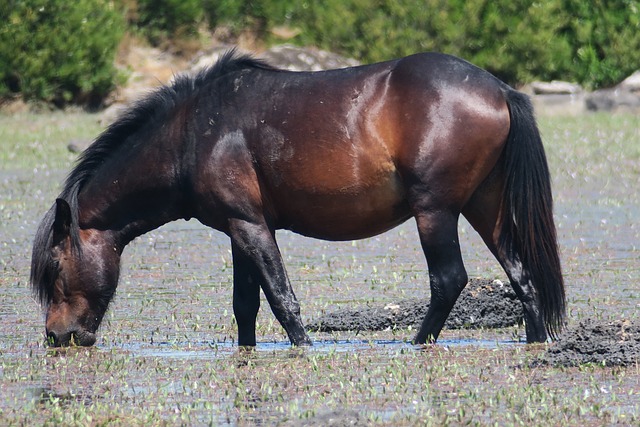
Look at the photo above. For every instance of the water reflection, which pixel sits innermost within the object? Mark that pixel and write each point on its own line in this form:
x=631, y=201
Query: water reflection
x=215, y=351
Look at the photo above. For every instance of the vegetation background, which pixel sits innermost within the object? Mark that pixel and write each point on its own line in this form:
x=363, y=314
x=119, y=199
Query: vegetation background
x=63, y=52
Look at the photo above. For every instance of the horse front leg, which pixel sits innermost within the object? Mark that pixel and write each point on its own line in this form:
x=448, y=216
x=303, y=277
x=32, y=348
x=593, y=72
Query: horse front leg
x=257, y=253
x=246, y=296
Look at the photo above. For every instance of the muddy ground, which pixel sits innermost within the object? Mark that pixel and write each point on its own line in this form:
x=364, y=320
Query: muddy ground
x=486, y=304
x=614, y=343
x=166, y=352
x=482, y=304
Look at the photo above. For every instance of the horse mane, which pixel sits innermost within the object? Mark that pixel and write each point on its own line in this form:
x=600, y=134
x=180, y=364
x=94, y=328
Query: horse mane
x=153, y=108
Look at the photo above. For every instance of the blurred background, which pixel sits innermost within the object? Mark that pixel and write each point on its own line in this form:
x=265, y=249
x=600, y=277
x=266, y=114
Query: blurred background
x=63, y=53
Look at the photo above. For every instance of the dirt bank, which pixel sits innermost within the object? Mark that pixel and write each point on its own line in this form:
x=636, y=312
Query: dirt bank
x=482, y=304
x=603, y=343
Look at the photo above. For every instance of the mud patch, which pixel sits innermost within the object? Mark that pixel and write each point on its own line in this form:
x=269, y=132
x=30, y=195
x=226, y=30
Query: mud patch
x=603, y=343
x=482, y=304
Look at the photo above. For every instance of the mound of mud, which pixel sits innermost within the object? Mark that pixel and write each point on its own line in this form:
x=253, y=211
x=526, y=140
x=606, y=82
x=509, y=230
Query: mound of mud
x=607, y=344
x=482, y=304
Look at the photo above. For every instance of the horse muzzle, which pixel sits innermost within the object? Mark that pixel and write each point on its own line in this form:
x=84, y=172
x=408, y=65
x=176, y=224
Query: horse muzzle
x=70, y=338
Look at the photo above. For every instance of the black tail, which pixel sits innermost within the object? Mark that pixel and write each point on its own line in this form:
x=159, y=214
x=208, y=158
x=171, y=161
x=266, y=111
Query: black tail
x=528, y=202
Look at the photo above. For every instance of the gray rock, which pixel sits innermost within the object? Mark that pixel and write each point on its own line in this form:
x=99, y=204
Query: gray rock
x=285, y=56
x=555, y=87
x=557, y=104
x=305, y=59
x=614, y=99
x=632, y=83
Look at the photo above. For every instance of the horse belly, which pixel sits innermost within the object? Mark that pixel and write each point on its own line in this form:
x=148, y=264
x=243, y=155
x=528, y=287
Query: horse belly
x=355, y=210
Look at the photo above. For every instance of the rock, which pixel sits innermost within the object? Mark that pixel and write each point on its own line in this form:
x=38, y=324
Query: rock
x=614, y=99
x=556, y=98
x=623, y=97
x=285, y=56
x=555, y=87
x=557, y=104
x=632, y=83
x=564, y=98
x=295, y=58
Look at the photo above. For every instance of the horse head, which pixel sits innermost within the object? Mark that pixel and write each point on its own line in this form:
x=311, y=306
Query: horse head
x=75, y=275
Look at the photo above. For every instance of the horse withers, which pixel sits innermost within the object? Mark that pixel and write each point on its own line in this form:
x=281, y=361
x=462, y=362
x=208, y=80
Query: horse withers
x=338, y=155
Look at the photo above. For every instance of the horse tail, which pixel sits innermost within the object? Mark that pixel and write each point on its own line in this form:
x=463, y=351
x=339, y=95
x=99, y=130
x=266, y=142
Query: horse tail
x=528, y=229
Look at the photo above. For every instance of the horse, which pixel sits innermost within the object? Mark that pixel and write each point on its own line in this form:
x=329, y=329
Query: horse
x=248, y=149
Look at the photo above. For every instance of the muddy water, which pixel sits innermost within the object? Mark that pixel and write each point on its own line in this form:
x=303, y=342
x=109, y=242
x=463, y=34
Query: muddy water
x=174, y=299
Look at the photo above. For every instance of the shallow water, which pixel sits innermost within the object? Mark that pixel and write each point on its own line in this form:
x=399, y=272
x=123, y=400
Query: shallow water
x=172, y=318
x=212, y=351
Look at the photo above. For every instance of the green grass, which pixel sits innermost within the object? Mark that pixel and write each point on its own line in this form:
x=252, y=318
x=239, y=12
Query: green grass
x=604, y=148
x=164, y=356
x=434, y=386
x=29, y=141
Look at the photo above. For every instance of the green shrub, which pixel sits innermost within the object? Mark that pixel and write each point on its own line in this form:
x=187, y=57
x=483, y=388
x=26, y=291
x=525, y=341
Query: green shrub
x=518, y=40
x=255, y=15
x=59, y=51
x=63, y=51
x=605, y=37
x=172, y=19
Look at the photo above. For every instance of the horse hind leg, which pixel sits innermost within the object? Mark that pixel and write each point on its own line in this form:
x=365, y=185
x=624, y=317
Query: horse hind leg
x=447, y=275
x=483, y=213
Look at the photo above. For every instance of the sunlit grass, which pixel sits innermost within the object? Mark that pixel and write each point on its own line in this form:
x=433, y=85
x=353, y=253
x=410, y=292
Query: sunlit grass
x=600, y=152
x=39, y=141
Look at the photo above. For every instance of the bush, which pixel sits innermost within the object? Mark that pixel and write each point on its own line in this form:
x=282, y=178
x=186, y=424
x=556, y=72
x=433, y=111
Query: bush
x=59, y=51
x=169, y=19
x=255, y=16
x=63, y=51
x=518, y=40
x=605, y=39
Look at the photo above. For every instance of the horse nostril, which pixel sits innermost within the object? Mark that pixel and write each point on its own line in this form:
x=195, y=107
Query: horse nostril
x=52, y=339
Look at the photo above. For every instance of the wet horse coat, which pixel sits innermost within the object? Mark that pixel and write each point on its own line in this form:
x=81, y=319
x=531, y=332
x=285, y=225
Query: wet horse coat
x=344, y=154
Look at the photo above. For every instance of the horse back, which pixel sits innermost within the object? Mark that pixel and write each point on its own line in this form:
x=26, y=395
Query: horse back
x=334, y=154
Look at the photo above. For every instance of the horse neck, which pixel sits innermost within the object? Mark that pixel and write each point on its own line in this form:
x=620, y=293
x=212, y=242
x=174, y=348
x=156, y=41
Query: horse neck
x=137, y=191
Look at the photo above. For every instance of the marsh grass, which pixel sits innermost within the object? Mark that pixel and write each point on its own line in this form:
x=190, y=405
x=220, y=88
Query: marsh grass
x=166, y=356
x=431, y=386
x=39, y=141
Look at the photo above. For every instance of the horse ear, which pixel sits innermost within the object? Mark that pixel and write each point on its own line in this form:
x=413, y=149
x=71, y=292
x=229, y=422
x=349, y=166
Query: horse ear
x=62, y=221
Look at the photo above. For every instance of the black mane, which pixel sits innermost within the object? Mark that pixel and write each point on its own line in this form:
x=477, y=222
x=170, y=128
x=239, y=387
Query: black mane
x=157, y=106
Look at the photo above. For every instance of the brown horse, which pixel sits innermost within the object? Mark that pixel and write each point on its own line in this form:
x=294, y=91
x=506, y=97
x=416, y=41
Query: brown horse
x=344, y=154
